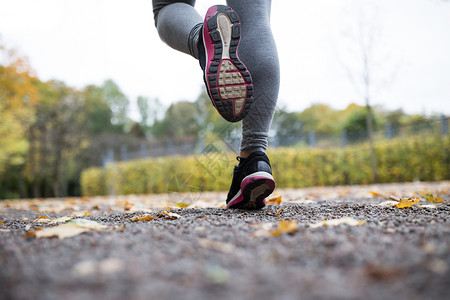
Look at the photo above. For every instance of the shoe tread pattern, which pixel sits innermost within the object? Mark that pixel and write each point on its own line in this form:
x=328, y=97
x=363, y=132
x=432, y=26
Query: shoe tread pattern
x=229, y=80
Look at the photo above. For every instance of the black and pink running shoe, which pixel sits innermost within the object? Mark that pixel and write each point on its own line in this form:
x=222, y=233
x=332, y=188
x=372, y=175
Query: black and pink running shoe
x=228, y=82
x=252, y=182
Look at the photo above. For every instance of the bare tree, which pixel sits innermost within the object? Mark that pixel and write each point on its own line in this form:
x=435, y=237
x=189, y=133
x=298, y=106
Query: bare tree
x=365, y=60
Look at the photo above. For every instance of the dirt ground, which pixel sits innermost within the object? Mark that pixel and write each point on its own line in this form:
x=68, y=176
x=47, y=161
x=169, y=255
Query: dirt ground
x=315, y=243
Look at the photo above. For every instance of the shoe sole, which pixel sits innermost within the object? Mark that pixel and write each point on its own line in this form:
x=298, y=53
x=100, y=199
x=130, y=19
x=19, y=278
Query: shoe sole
x=229, y=83
x=254, y=189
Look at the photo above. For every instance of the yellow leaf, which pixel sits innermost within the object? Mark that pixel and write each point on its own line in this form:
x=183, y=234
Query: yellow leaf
x=407, y=202
x=145, y=217
x=285, y=226
x=87, y=214
x=375, y=194
x=431, y=198
x=274, y=199
x=2, y=223
x=182, y=205
x=279, y=211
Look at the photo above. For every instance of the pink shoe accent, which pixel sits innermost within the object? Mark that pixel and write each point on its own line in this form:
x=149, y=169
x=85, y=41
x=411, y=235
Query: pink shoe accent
x=264, y=186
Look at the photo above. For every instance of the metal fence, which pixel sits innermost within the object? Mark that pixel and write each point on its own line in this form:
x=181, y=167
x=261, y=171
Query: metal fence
x=229, y=141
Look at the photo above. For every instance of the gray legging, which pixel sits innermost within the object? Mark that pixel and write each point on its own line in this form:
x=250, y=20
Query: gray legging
x=257, y=50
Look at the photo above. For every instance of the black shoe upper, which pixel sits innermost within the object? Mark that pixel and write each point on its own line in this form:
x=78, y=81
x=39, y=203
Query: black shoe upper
x=255, y=162
x=201, y=50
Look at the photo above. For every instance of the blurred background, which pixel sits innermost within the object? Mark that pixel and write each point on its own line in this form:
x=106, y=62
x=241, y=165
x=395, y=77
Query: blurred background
x=87, y=89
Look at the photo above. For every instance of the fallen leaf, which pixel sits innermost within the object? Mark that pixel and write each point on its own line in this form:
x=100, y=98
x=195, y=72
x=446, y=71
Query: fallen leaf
x=168, y=215
x=134, y=219
x=87, y=224
x=144, y=217
x=31, y=233
x=395, y=198
x=285, y=226
x=42, y=219
x=2, y=223
x=182, y=205
x=279, y=211
x=274, y=199
x=388, y=203
x=61, y=231
x=87, y=214
x=70, y=228
x=60, y=220
x=431, y=198
x=375, y=194
x=428, y=206
x=218, y=246
x=335, y=222
x=407, y=202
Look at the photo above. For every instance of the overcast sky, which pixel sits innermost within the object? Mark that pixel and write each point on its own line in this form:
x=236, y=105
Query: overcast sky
x=87, y=41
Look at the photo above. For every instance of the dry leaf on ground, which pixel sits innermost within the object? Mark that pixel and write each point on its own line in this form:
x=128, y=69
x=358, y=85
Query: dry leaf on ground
x=285, y=226
x=376, y=194
x=61, y=231
x=428, y=206
x=144, y=217
x=335, y=222
x=168, y=215
x=388, y=203
x=182, y=205
x=407, y=202
x=400, y=202
x=42, y=219
x=60, y=220
x=430, y=197
x=274, y=199
x=69, y=229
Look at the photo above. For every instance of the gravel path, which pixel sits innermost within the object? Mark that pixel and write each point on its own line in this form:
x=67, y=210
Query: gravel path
x=213, y=253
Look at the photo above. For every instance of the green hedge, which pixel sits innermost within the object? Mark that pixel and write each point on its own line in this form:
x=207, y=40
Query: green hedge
x=425, y=159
